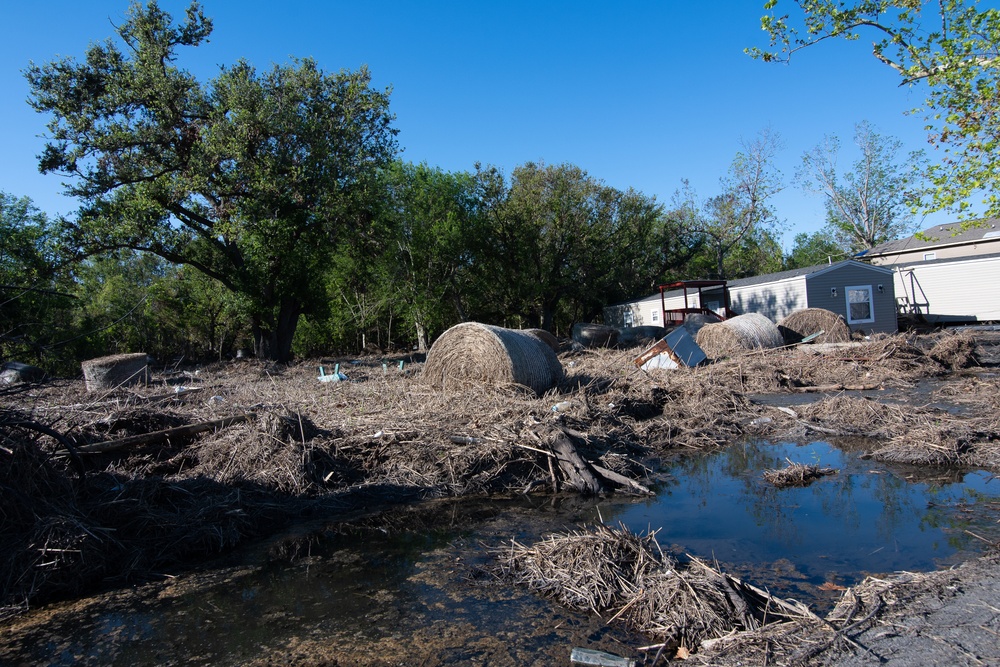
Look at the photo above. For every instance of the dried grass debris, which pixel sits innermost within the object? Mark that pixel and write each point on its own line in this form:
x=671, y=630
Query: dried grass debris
x=608, y=570
x=955, y=351
x=796, y=474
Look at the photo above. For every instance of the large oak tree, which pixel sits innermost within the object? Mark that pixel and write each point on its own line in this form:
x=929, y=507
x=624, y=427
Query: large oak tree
x=251, y=177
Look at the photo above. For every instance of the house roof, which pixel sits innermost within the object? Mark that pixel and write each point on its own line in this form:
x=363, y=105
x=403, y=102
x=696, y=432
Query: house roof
x=807, y=271
x=938, y=236
x=949, y=260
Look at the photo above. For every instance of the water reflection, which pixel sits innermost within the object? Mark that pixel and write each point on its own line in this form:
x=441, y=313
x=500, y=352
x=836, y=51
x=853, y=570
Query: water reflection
x=869, y=518
x=405, y=581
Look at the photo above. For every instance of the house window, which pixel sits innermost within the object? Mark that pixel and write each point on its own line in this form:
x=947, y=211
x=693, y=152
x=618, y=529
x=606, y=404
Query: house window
x=654, y=316
x=929, y=256
x=859, y=304
x=628, y=318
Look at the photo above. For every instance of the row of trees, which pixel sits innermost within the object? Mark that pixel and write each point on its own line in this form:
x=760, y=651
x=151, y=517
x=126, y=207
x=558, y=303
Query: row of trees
x=269, y=208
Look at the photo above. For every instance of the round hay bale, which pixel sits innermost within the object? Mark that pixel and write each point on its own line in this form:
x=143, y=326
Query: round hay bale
x=808, y=321
x=492, y=356
x=118, y=370
x=693, y=322
x=545, y=337
x=594, y=335
x=739, y=334
x=635, y=336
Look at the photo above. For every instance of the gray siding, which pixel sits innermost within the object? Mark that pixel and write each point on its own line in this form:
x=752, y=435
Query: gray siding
x=819, y=286
x=772, y=300
x=962, y=288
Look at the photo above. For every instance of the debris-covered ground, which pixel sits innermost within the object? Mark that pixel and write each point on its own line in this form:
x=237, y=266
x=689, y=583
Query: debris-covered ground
x=101, y=490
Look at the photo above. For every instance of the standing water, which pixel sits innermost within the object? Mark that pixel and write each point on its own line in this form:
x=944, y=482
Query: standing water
x=410, y=586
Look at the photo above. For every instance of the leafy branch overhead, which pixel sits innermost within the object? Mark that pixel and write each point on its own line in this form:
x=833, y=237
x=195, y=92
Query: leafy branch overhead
x=951, y=46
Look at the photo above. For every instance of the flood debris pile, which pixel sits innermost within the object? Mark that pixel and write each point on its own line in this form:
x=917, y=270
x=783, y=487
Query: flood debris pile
x=796, y=474
x=947, y=442
x=932, y=618
x=614, y=572
x=114, y=485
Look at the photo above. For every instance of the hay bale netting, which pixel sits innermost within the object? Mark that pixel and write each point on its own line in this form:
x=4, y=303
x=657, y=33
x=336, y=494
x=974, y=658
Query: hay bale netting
x=739, y=334
x=493, y=356
x=118, y=370
x=595, y=335
x=808, y=321
x=636, y=336
x=545, y=337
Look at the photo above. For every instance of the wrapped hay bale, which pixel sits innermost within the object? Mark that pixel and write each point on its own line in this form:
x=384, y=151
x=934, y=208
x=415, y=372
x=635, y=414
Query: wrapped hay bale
x=489, y=355
x=636, y=336
x=118, y=370
x=545, y=337
x=808, y=321
x=594, y=335
x=739, y=334
x=693, y=322
x=12, y=372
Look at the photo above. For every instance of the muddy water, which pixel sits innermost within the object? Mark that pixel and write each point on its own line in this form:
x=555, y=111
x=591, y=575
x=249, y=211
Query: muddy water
x=410, y=587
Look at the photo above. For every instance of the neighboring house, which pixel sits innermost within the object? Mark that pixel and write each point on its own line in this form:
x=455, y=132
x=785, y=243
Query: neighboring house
x=943, y=291
x=862, y=293
x=942, y=242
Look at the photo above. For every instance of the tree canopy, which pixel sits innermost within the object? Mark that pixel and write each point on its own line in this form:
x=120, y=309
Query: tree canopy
x=741, y=215
x=873, y=201
x=951, y=46
x=251, y=178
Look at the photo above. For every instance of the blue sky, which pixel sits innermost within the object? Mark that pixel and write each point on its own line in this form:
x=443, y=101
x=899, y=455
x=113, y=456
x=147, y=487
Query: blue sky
x=640, y=94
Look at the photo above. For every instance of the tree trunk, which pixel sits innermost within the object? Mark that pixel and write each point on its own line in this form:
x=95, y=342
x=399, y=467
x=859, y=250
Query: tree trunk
x=273, y=340
x=421, y=337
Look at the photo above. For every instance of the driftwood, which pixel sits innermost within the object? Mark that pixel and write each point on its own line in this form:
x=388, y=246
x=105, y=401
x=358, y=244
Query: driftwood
x=612, y=476
x=162, y=436
x=837, y=387
x=579, y=474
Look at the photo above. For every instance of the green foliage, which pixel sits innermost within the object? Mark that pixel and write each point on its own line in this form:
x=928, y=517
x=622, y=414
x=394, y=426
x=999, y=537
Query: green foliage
x=736, y=224
x=561, y=244
x=952, y=47
x=430, y=221
x=34, y=294
x=250, y=179
x=812, y=249
x=873, y=203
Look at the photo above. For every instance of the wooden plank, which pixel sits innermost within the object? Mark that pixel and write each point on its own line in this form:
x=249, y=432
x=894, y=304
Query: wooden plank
x=162, y=436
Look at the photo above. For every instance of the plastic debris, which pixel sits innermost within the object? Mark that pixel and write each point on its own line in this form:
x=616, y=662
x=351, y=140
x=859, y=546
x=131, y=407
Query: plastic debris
x=586, y=656
x=336, y=376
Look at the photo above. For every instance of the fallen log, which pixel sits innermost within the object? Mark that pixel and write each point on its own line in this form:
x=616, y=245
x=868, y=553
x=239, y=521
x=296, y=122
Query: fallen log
x=621, y=480
x=162, y=436
x=579, y=474
x=837, y=387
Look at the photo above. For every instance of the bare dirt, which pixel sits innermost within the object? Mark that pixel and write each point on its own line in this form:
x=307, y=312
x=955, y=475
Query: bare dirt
x=106, y=520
